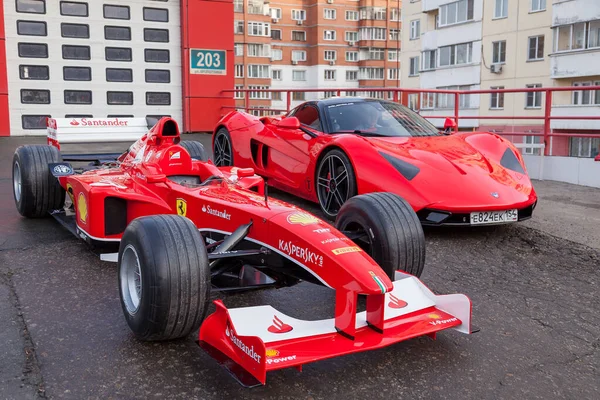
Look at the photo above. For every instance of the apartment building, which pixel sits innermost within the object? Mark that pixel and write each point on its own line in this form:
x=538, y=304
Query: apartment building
x=325, y=44
x=498, y=44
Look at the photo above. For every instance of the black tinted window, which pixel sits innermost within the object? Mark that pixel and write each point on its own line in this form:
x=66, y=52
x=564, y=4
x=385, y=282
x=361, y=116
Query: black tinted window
x=125, y=98
x=70, y=52
x=78, y=97
x=31, y=6
x=77, y=74
x=117, y=33
x=156, y=35
x=33, y=50
x=35, y=96
x=116, y=12
x=158, y=76
x=158, y=98
x=32, y=28
x=156, y=55
x=156, y=14
x=75, y=31
x=73, y=9
x=34, y=121
x=34, y=72
x=119, y=75
x=118, y=54
x=309, y=116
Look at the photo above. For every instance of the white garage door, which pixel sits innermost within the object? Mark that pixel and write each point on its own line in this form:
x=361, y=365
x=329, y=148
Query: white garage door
x=91, y=58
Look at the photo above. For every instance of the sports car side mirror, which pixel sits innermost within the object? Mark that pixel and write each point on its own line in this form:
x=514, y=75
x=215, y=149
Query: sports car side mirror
x=449, y=126
x=289, y=123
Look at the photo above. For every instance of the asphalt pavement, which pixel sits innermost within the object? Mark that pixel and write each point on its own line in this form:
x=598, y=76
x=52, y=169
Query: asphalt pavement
x=534, y=288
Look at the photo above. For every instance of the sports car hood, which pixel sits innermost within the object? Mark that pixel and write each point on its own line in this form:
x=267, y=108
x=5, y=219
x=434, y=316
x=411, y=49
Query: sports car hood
x=455, y=174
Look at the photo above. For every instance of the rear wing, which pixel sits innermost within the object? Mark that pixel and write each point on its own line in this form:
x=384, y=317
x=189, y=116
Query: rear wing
x=95, y=130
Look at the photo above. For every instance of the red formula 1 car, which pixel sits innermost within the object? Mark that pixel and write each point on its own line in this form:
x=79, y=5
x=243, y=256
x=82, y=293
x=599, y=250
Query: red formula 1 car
x=330, y=150
x=184, y=227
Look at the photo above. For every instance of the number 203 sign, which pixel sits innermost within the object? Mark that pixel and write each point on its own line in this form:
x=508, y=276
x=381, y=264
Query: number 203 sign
x=208, y=62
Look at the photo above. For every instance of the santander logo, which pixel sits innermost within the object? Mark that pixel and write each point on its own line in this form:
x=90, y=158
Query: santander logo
x=74, y=122
x=278, y=326
x=98, y=122
x=396, y=302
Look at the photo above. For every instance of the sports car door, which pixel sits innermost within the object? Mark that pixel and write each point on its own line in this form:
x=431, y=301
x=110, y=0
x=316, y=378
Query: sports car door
x=288, y=149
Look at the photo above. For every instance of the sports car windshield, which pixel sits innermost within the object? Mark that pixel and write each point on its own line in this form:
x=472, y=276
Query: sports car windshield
x=378, y=118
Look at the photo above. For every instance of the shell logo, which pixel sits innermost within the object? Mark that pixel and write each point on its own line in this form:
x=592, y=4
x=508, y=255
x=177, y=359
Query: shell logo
x=272, y=353
x=82, y=207
x=302, y=218
x=434, y=316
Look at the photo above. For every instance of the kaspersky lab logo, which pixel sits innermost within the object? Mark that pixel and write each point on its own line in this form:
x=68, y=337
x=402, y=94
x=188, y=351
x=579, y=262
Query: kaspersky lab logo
x=240, y=345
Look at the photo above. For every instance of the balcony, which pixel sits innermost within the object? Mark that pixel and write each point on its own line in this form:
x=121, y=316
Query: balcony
x=575, y=111
x=430, y=5
x=574, y=64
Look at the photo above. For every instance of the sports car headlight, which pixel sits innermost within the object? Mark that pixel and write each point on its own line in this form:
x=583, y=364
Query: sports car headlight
x=510, y=161
x=407, y=170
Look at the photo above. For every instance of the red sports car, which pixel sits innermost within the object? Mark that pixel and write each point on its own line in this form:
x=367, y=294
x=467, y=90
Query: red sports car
x=330, y=150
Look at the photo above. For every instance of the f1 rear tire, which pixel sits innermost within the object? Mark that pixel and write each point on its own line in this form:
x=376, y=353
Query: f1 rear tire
x=388, y=229
x=196, y=149
x=164, y=277
x=35, y=190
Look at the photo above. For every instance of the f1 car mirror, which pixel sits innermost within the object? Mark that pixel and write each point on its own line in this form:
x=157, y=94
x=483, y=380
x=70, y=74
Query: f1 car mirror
x=449, y=126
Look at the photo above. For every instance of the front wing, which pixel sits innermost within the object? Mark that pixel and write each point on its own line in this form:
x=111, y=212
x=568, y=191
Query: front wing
x=252, y=341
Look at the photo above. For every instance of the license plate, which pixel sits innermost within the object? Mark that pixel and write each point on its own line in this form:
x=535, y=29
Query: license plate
x=494, y=217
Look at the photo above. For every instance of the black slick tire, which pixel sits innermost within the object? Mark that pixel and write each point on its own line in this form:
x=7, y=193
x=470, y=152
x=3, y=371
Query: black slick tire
x=40, y=192
x=175, y=277
x=196, y=149
x=392, y=233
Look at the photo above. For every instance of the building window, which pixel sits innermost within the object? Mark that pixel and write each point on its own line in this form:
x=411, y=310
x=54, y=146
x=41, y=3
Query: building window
x=116, y=54
x=70, y=52
x=329, y=75
x=499, y=52
x=89, y=116
x=415, y=29
x=573, y=37
x=80, y=31
x=501, y=9
x=33, y=50
x=259, y=95
x=414, y=66
x=456, y=54
x=31, y=6
x=372, y=13
x=330, y=55
x=394, y=34
x=329, y=13
x=445, y=101
x=457, y=12
x=119, y=98
x=429, y=60
x=371, y=73
x=352, y=56
x=427, y=101
x=276, y=54
x=299, y=36
x=298, y=96
x=533, y=99
x=299, y=15
x=351, y=76
x=74, y=9
x=586, y=97
x=258, y=71
x=239, y=70
x=158, y=98
x=298, y=55
x=238, y=27
x=256, y=7
x=497, y=99
x=392, y=55
x=238, y=95
x=119, y=75
x=538, y=5
x=536, y=48
x=238, y=6
x=351, y=15
x=78, y=96
x=259, y=50
x=116, y=12
x=276, y=74
x=158, y=76
x=372, y=34
x=532, y=140
x=351, y=36
x=156, y=14
x=238, y=49
x=117, y=33
x=276, y=34
x=32, y=28
x=372, y=54
x=34, y=121
x=34, y=72
x=275, y=13
x=328, y=35
x=35, y=96
x=413, y=100
x=584, y=147
x=157, y=55
x=395, y=14
x=298, y=75
x=393, y=74
x=259, y=29
x=156, y=35
x=77, y=73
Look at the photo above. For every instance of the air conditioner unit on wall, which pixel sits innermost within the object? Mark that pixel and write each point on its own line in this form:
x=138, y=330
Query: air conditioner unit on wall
x=274, y=20
x=352, y=44
x=329, y=1
x=496, y=68
x=294, y=62
x=332, y=62
x=299, y=22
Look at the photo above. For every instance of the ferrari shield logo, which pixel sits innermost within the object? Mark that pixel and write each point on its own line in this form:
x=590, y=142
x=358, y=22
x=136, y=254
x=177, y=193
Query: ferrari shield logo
x=181, y=207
